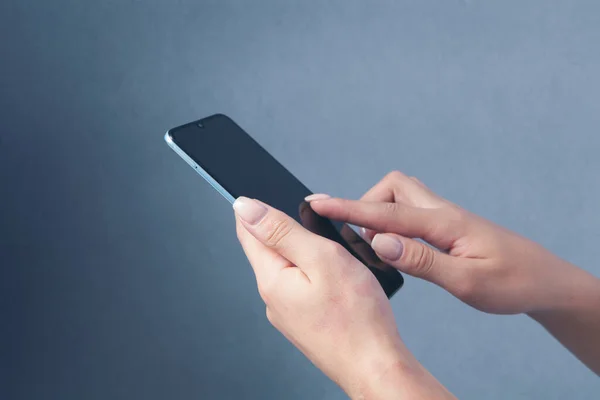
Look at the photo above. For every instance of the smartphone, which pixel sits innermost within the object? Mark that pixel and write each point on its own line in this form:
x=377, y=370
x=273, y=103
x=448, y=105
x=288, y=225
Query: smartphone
x=236, y=165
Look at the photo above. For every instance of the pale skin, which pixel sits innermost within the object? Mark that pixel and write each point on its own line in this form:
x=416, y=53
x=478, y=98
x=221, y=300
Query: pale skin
x=332, y=308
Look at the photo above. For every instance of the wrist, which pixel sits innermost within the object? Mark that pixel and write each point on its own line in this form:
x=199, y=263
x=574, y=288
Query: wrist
x=402, y=377
x=575, y=321
x=570, y=289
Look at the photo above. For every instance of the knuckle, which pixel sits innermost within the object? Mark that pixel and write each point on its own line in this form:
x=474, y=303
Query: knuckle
x=455, y=219
x=334, y=250
x=422, y=260
x=395, y=176
x=334, y=256
x=265, y=291
x=417, y=180
x=328, y=249
x=390, y=215
x=270, y=316
x=390, y=209
x=277, y=231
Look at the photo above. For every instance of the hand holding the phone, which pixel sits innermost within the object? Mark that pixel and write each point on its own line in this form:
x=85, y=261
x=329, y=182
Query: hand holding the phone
x=482, y=264
x=330, y=306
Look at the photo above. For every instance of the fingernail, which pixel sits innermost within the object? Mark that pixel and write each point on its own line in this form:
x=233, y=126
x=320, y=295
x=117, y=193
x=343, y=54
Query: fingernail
x=249, y=210
x=387, y=247
x=366, y=234
x=317, y=196
x=304, y=208
x=363, y=233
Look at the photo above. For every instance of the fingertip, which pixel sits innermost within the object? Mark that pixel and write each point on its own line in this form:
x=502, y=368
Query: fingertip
x=363, y=232
x=249, y=210
x=367, y=234
x=388, y=247
x=317, y=196
x=322, y=202
x=318, y=205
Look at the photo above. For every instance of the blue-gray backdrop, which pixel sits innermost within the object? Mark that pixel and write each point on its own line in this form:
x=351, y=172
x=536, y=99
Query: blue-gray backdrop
x=121, y=275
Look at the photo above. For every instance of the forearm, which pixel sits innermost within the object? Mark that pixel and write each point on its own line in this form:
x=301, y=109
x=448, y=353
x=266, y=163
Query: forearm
x=575, y=322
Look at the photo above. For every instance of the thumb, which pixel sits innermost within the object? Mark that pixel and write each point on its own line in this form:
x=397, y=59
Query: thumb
x=420, y=260
x=282, y=234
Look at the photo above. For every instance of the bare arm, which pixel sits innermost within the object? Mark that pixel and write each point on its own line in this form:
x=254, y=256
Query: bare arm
x=576, y=322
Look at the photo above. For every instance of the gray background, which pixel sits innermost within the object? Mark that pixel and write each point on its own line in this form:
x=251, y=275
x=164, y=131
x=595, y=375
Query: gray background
x=121, y=274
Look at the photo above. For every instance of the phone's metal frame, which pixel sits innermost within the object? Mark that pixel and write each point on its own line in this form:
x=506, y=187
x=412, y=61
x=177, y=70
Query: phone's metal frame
x=198, y=168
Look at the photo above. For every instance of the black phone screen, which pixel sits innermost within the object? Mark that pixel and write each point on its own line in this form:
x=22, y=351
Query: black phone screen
x=244, y=168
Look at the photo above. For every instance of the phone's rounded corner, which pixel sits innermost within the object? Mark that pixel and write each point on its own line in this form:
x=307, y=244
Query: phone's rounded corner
x=393, y=292
x=214, y=115
x=221, y=116
x=398, y=286
x=402, y=281
x=217, y=116
x=168, y=138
